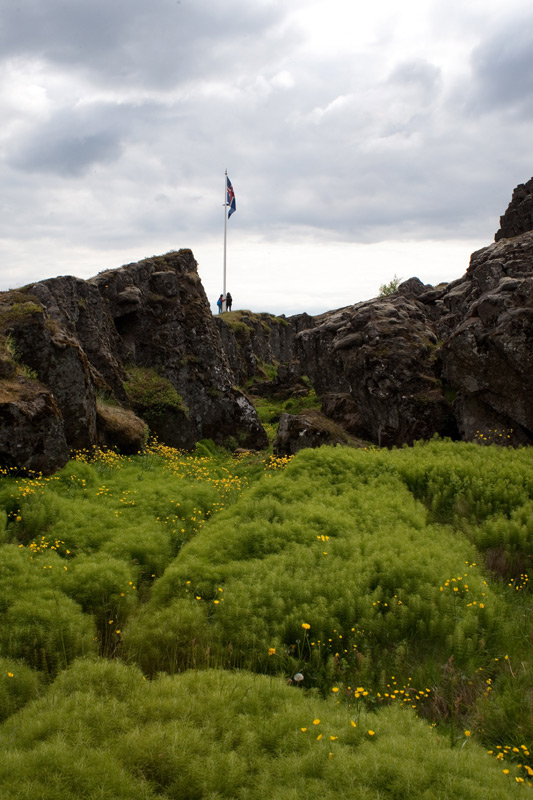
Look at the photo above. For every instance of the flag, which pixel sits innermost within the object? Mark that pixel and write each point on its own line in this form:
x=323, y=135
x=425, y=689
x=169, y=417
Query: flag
x=230, y=197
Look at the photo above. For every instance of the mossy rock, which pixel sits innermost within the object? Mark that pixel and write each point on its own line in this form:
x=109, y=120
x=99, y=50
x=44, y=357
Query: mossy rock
x=149, y=391
x=121, y=428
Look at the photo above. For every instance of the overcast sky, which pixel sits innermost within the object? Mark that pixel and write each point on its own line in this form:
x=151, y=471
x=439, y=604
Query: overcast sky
x=363, y=140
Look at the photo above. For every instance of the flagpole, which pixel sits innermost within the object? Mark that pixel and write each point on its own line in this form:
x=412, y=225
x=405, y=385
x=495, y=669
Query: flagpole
x=225, y=227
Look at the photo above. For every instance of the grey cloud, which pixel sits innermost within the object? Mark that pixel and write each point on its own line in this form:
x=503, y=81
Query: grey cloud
x=343, y=148
x=418, y=74
x=68, y=154
x=69, y=144
x=502, y=68
x=136, y=43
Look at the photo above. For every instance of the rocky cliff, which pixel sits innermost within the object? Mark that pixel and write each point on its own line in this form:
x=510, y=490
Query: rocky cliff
x=518, y=217
x=95, y=362
x=84, y=362
x=455, y=359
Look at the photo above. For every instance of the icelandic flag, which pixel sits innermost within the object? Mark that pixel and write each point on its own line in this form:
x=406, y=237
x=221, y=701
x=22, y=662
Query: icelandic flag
x=230, y=197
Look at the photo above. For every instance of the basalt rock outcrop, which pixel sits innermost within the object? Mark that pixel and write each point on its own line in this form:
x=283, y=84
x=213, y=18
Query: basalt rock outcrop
x=254, y=341
x=141, y=338
x=376, y=368
x=455, y=359
x=518, y=217
x=98, y=361
x=487, y=356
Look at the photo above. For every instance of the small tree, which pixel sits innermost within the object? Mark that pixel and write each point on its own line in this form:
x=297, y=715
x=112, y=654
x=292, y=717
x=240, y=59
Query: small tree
x=389, y=288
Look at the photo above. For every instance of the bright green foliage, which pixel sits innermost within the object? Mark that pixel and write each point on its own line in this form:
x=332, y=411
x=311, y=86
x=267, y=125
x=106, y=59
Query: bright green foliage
x=104, y=587
x=92, y=538
x=105, y=732
x=484, y=492
x=39, y=624
x=390, y=580
x=4, y=536
x=269, y=410
x=151, y=391
x=320, y=544
x=18, y=685
x=170, y=639
x=46, y=630
x=389, y=288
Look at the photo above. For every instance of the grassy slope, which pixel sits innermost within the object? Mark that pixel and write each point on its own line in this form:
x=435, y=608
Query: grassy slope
x=364, y=571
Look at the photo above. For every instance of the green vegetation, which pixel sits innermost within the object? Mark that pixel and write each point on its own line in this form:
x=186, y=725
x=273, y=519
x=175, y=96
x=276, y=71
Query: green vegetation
x=151, y=392
x=11, y=352
x=389, y=288
x=19, y=311
x=269, y=409
x=345, y=623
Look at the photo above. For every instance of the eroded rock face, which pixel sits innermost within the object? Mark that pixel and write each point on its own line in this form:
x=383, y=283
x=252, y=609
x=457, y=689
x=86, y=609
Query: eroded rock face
x=488, y=355
x=377, y=368
x=452, y=359
x=80, y=338
x=455, y=360
x=31, y=427
x=251, y=340
x=519, y=215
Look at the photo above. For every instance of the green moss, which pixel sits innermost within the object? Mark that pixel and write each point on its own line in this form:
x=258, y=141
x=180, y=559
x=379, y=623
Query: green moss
x=18, y=312
x=240, y=329
x=233, y=318
x=149, y=390
x=13, y=353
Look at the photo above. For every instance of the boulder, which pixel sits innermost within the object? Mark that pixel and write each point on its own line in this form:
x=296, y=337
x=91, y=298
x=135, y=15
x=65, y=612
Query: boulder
x=119, y=428
x=309, y=429
x=377, y=370
x=32, y=437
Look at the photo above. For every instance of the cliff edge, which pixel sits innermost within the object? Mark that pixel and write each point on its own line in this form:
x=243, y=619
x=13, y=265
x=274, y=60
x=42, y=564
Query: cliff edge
x=86, y=363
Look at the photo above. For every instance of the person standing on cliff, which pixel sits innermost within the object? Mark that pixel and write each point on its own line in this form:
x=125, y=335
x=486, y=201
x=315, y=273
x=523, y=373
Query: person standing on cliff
x=229, y=300
x=220, y=303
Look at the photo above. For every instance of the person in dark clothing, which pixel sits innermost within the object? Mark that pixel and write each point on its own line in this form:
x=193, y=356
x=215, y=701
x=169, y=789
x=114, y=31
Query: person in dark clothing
x=229, y=300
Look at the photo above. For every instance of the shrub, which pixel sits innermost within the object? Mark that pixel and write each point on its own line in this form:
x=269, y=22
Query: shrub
x=170, y=639
x=18, y=685
x=104, y=732
x=46, y=630
x=106, y=588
